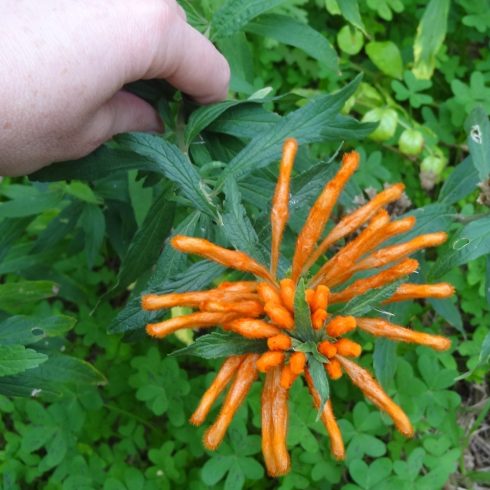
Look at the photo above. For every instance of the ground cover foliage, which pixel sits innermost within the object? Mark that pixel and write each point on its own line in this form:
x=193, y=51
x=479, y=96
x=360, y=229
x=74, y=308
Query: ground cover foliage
x=87, y=401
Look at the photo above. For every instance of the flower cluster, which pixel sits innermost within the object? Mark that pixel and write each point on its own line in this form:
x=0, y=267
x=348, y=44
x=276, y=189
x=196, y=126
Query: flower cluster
x=274, y=310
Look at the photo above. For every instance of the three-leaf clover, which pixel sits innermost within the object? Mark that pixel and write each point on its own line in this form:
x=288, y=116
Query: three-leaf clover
x=410, y=90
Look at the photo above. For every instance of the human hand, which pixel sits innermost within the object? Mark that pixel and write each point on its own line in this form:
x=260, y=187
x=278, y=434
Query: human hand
x=63, y=64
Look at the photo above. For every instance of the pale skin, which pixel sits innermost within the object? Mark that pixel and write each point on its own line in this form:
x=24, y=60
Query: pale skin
x=63, y=64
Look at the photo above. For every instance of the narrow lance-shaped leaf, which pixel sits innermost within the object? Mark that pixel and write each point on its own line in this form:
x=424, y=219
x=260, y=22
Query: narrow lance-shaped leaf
x=221, y=344
x=360, y=305
x=350, y=11
x=303, y=328
x=148, y=241
x=478, y=128
x=173, y=164
x=430, y=36
x=319, y=120
x=460, y=183
x=289, y=31
x=236, y=226
x=320, y=381
x=471, y=241
x=384, y=361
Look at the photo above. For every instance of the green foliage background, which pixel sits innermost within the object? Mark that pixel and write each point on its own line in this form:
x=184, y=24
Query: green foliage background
x=87, y=401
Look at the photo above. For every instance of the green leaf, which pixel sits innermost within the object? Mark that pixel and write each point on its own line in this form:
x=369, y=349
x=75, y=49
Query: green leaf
x=15, y=294
x=82, y=192
x=469, y=243
x=236, y=225
x=173, y=164
x=215, y=468
x=29, y=330
x=140, y=195
x=201, y=118
x=93, y=223
x=479, y=476
x=460, y=183
x=245, y=121
x=221, y=344
x=449, y=311
x=102, y=162
x=360, y=305
x=350, y=11
x=303, y=328
x=387, y=57
x=411, y=89
x=430, y=36
x=147, y=242
x=30, y=200
x=15, y=359
x=485, y=350
x=316, y=121
x=320, y=381
x=478, y=128
x=59, y=375
x=384, y=361
x=289, y=31
x=234, y=14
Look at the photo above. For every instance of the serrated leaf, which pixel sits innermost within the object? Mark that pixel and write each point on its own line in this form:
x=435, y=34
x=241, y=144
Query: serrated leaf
x=221, y=344
x=289, y=31
x=303, y=328
x=237, y=227
x=360, y=305
x=148, y=241
x=478, y=129
x=460, y=183
x=173, y=164
x=16, y=359
x=29, y=330
x=430, y=36
x=384, y=361
x=234, y=14
x=319, y=120
x=471, y=241
x=320, y=381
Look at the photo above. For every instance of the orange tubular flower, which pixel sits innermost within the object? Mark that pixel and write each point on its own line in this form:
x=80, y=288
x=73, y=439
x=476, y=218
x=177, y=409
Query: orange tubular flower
x=287, y=328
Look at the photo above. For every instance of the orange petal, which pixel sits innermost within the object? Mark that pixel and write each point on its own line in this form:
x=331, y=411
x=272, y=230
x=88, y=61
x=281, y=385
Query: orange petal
x=252, y=328
x=320, y=213
x=353, y=221
x=334, y=369
x=409, y=291
x=297, y=362
x=349, y=348
x=382, y=328
x=287, y=293
x=224, y=376
x=246, y=375
x=279, y=315
x=318, y=319
x=233, y=259
x=193, y=320
x=327, y=349
x=268, y=294
x=280, y=201
x=373, y=391
x=269, y=360
x=279, y=342
x=328, y=419
x=340, y=325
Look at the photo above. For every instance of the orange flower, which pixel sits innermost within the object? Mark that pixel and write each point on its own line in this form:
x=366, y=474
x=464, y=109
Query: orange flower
x=291, y=318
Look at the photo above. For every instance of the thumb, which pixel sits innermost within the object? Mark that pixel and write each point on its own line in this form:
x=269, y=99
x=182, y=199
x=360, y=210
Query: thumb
x=122, y=113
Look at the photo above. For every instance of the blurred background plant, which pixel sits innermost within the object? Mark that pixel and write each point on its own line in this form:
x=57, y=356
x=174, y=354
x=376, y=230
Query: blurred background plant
x=81, y=408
